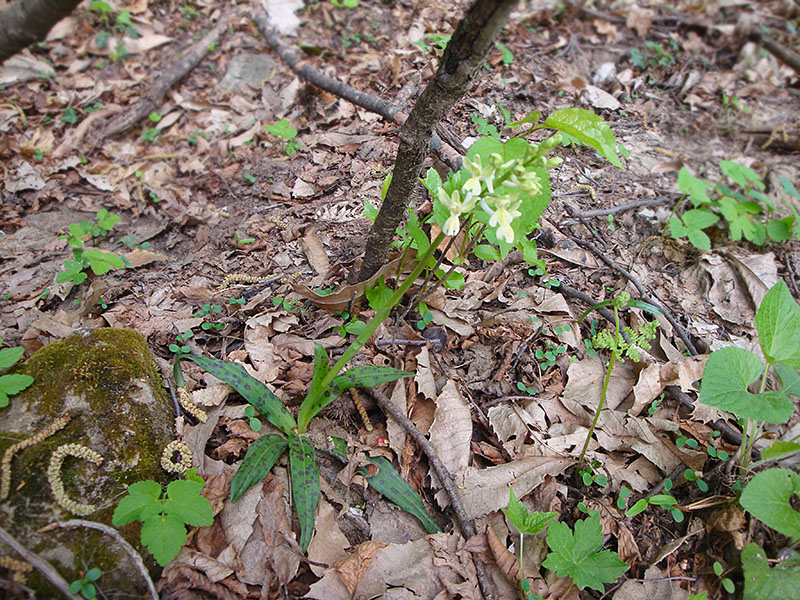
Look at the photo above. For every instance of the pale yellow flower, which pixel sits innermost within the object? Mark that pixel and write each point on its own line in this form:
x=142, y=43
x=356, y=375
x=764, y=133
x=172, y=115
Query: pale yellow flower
x=457, y=207
x=478, y=174
x=502, y=216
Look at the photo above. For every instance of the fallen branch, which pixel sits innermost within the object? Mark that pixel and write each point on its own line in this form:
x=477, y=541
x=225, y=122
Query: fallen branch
x=28, y=21
x=40, y=564
x=154, y=97
x=613, y=210
x=365, y=100
x=445, y=479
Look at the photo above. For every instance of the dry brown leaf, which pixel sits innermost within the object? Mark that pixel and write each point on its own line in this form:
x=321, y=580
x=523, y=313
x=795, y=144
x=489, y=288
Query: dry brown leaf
x=352, y=569
x=505, y=560
x=450, y=434
x=329, y=544
x=640, y=20
x=655, y=586
x=315, y=252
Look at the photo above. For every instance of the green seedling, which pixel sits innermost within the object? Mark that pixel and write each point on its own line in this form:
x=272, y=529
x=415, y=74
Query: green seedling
x=345, y=3
x=696, y=477
x=103, y=9
x=192, y=139
x=70, y=116
x=13, y=383
x=726, y=583
x=527, y=523
x=548, y=355
x=85, y=585
x=622, y=499
x=284, y=130
x=438, y=43
x=38, y=154
x=653, y=56
x=426, y=316
x=508, y=56
x=589, y=476
x=287, y=304
x=180, y=347
x=682, y=441
x=243, y=240
x=665, y=501
x=250, y=413
x=164, y=520
x=618, y=347
x=524, y=388
x=241, y=301
x=249, y=178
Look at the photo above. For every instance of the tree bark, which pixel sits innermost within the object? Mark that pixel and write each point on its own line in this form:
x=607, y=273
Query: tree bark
x=28, y=21
x=465, y=53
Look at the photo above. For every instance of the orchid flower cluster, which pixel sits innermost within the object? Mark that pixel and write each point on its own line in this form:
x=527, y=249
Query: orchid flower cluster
x=499, y=183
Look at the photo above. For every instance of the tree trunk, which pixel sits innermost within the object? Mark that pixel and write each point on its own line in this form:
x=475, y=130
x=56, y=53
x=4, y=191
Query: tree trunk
x=465, y=53
x=28, y=21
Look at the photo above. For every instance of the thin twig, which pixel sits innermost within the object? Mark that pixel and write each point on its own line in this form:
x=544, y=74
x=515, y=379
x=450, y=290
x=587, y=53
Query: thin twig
x=613, y=210
x=40, y=564
x=444, y=477
x=113, y=533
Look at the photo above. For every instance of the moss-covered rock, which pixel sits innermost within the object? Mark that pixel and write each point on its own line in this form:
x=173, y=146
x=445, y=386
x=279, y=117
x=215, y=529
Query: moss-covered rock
x=106, y=380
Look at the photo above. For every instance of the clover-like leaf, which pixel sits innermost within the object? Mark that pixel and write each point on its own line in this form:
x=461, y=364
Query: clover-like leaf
x=164, y=534
x=768, y=498
x=778, y=324
x=141, y=495
x=185, y=501
x=728, y=373
x=579, y=555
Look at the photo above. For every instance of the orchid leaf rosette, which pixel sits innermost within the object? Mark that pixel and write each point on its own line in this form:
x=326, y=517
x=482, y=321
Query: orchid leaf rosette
x=502, y=185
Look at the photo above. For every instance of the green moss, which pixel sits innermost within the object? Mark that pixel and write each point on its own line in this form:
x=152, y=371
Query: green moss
x=98, y=377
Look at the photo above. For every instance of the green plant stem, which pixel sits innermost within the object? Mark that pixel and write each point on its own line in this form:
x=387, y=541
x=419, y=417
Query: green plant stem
x=379, y=318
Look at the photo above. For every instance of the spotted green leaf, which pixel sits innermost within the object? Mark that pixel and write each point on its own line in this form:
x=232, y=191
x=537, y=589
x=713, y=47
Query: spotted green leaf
x=259, y=460
x=305, y=485
x=252, y=390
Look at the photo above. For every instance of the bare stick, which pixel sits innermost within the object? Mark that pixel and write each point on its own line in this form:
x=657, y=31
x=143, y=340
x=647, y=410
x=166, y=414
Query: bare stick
x=113, y=533
x=444, y=477
x=39, y=563
x=601, y=212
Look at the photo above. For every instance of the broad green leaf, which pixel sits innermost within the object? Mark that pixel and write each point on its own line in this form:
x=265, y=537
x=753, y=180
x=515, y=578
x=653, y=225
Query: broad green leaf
x=432, y=181
x=589, y=128
x=778, y=324
x=9, y=356
x=764, y=583
x=164, y=535
x=698, y=218
x=788, y=187
x=695, y=187
x=486, y=252
x=378, y=295
x=780, y=230
x=778, y=449
x=767, y=497
x=580, y=557
x=140, y=495
x=282, y=129
x=524, y=521
x=485, y=147
x=305, y=485
x=699, y=239
x=185, y=501
x=14, y=383
x=93, y=574
x=790, y=379
x=251, y=389
x=259, y=460
x=388, y=482
x=728, y=373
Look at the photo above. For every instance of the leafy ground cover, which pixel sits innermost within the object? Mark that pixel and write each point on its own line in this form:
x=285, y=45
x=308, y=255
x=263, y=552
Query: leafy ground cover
x=225, y=225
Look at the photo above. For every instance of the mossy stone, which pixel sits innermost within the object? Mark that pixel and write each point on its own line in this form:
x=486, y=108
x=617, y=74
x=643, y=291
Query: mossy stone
x=108, y=383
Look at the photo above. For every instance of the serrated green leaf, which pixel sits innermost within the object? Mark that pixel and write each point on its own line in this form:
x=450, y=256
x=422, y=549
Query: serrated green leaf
x=14, y=383
x=764, y=583
x=185, y=501
x=390, y=484
x=259, y=460
x=728, y=373
x=252, y=390
x=9, y=356
x=579, y=555
x=694, y=187
x=164, y=535
x=698, y=218
x=524, y=521
x=140, y=495
x=589, y=128
x=767, y=497
x=305, y=485
x=741, y=174
x=778, y=324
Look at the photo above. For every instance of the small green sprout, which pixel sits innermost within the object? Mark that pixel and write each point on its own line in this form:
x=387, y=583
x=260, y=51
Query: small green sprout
x=85, y=586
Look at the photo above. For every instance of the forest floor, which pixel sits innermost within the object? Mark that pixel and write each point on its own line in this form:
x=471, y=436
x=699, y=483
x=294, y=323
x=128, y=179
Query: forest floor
x=205, y=191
